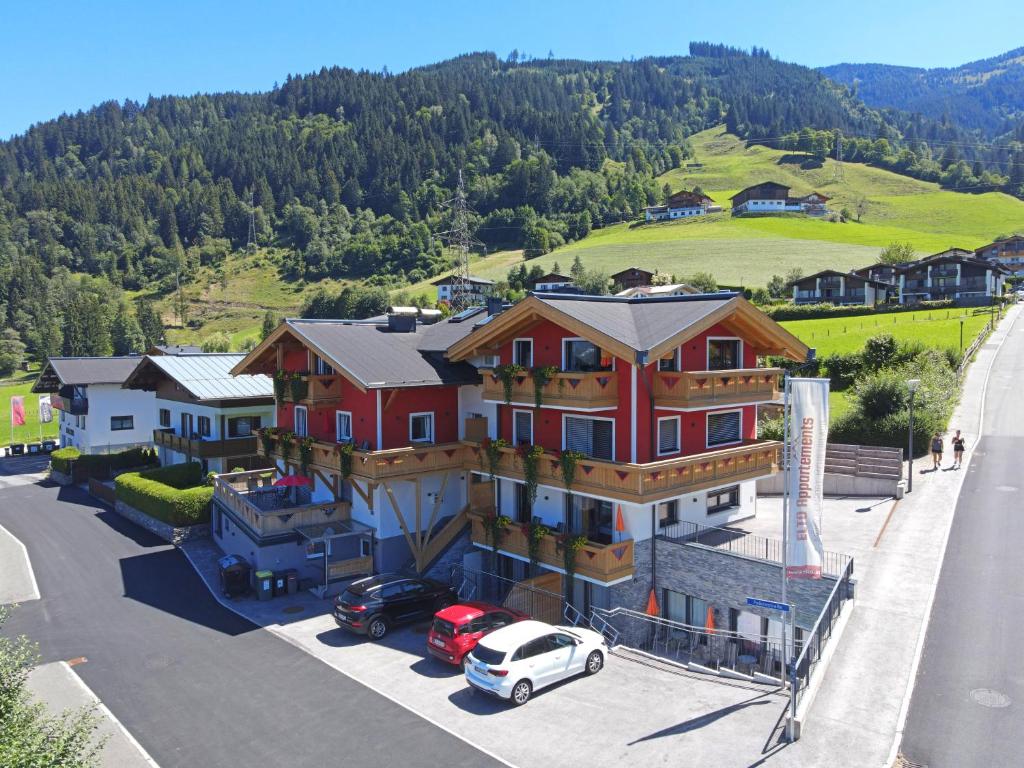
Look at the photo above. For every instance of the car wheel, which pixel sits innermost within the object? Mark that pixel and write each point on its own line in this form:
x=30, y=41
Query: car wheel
x=377, y=628
x=594, y=662
x=521, y=693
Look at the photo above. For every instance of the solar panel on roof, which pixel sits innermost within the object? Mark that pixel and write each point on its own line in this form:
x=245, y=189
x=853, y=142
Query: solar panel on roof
x=465, y=314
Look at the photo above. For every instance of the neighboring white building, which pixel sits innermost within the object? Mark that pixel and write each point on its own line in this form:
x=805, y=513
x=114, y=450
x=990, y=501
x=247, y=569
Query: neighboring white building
x=654, y=291
x=477, y=289
x=202, y=412
x=681, y=205
x=552, y=282
x=95, y=414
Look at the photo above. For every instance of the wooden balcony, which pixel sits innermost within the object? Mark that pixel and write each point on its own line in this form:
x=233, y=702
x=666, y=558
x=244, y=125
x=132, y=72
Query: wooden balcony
x=263, y=508
x=319, y=390
x=384, y=465
x=709, y=389
x=646, y=483
x=205, y=449
x=602, y=562
x=343, y=569
x=581, y=390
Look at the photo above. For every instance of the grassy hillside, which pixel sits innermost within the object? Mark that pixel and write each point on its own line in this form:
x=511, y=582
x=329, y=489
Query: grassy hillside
x=750, y=250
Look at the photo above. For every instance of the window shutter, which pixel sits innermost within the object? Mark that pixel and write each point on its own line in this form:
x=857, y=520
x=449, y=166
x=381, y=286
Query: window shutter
x=723, y=428
x=577, y=435
x=524, y=427
x=668, y=435
x=602, y=440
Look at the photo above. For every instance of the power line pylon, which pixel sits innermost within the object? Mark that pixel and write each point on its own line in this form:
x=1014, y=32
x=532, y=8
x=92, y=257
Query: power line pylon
x=461, y=242
x=250, y=245
x=837, y=169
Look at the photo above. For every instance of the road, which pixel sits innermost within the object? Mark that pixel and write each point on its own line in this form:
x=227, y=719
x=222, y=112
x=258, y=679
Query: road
x=193, y=682
x=966, y=709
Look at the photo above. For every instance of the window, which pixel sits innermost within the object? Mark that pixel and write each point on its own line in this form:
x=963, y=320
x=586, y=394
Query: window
x=413, y=588
x=421, y=427
x=391, y=590
x=592, y=517
x=724, y=428
x=531, y=649
x=490, y=361
x=204, y=426
x=558, y=641
x=317, y=549
x=320, y=368
x=670, y=362
x=301, y=421
x=580, y=355
x=121, y=422
x=522, y=352
x=165, y=417
x=593, y=437
x=243, y=426
x=342, y=426
x=522, y=428
x=668, y=435
x=723, y=499
x=668, y=513
x=523, y=509
x=725, y=354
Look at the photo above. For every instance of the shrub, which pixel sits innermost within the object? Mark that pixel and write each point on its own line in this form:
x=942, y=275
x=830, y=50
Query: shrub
x=63, y=458
x=842, y=370
x=168, y=494
x=100, y=465
x=814, y=311
x=881, y=394
x=879, y=351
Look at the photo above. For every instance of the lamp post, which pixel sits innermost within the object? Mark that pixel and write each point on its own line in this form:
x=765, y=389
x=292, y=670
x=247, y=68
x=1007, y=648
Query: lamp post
x=912, y=385
x=961, y=335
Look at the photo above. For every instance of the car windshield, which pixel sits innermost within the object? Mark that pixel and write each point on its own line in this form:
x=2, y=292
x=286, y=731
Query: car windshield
x=353, y=596
x=443, y=627
x=488, y=655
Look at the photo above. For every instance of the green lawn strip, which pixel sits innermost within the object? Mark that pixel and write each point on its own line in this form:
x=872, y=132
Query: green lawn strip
x=29, y=433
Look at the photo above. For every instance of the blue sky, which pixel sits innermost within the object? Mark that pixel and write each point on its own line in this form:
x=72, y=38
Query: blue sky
x=64, y=56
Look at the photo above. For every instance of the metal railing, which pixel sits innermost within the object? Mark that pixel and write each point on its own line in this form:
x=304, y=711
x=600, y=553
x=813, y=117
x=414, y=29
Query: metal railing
x=739, y=542
x=520, y=596
x=813, y=642
x=965, y=359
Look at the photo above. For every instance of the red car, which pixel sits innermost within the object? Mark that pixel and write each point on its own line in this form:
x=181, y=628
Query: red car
x=457, y=628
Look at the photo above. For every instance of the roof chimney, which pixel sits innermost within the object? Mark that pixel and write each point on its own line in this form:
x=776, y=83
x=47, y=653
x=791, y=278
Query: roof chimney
x=402, y=319
x=494, y=305
x=430, y=316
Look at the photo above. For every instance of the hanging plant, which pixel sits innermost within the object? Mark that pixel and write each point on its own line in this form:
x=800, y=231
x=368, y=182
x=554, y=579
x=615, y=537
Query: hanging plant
x=571, y=544
x=267, y=437
x=530, y=456
x=284, y=445
x=299, y=387
x=305, y=455
x=495, y=526
x=491, y=451
x=507, y=374
x=280, y=383
x=569, y=461
x=345, y=451
x=542, y=376
x=534, y=533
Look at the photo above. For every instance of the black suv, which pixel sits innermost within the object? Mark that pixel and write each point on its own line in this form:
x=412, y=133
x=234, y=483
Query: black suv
x=372, y=606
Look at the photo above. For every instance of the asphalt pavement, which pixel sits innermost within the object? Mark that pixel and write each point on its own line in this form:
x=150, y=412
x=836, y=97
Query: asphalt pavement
x=194, y=683
x=966, y=709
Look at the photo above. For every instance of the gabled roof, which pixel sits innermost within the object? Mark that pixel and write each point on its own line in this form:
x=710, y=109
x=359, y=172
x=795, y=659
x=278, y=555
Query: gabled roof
x=758, y=186
x=83, y=371
x=631, y=271
x=175, y=349
x=632, y=328
x=688, y=197
x=203, y=376
x=552, y=277
x=370, y=355
x=449, y=279
x=658, y=290
x=997, y=243
x=834, y=273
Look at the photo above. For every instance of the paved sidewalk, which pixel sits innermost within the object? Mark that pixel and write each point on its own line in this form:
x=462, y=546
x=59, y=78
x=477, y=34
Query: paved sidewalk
x=861, y=705
x=17, y=583
x=60, y=689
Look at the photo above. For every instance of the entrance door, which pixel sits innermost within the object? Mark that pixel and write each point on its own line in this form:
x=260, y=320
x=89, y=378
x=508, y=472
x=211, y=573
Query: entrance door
x=186, y=425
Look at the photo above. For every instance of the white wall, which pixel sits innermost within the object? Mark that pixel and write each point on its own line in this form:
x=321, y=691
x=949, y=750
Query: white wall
x=265, y=412
x=471, y=402
x=106, y=400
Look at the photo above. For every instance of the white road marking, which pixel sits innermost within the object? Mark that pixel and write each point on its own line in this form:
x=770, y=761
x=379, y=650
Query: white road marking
x=34, y=589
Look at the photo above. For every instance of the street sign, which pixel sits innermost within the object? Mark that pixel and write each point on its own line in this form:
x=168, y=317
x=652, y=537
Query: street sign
x=769, y=604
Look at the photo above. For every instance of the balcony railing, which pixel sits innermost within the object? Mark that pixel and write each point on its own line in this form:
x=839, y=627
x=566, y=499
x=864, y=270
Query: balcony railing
x=205, y=449
x=696, y=389
x=602, y=562
x=268, y=510
x=315, y=389
x=382, y=465
x=74, y=406
x=644, y=483
x=567, y=389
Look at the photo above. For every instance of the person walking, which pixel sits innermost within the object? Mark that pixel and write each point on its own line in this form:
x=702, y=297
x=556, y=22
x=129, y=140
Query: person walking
x=958, y=449
x=936, y=450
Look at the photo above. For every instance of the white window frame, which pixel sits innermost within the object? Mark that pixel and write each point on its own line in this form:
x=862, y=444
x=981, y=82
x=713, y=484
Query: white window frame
x=679, y=434
x=415, y=415
x=565, y=358
x=707, y=433
x=318, y=555
x=707, y=351
x=657, y=512
x=519, y=362
x=716, y=491
x=337, y=437
x=295, y=421
x=594, y=418
x=515, y=435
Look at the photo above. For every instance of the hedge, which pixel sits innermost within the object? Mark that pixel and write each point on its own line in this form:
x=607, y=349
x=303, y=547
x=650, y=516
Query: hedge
x=63, y=458
x=818, y=311
x=172, y=494
x=99, y=465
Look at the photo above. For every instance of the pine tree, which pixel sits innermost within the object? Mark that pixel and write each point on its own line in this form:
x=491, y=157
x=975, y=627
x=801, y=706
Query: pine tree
x=150, y=325
x=577, y=269
x=125, y=333
x=269, y=324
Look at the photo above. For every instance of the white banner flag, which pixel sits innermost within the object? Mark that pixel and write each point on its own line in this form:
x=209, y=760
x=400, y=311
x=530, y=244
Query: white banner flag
x=808, y=432
x=45, y=410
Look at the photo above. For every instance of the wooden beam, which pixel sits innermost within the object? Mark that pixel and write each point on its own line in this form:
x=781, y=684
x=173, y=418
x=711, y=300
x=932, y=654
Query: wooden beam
x=418, y=488
x=401, y=521
x=366, y=495
x=390, y=400
x=436, y=507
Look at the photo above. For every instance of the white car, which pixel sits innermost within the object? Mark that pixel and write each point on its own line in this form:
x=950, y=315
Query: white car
x=514, y=661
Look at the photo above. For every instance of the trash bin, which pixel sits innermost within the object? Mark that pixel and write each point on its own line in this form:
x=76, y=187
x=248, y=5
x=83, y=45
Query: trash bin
x=280, y=583
x=292, y=579
x=17, y=449
x=264, y=584
x=234, y=575
x=49, y=446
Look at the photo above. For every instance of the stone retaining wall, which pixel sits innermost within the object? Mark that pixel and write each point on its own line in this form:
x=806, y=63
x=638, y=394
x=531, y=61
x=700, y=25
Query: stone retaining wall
x=164, y=530
x=60, y=478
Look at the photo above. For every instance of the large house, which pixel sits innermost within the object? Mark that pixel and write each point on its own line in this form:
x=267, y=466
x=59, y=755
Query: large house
x=96, y=415
x=955, y=274
x=476, y=291
x=650, y=402
x=772, y=197
x=203, y=413
x=832, y=287
x=553, y=282
x=632, y=277
x=682, y=204
x=1008, y=253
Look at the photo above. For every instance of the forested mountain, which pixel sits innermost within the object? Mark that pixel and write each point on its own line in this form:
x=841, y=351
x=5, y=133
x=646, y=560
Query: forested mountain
x=986, y=95
x=348, y=172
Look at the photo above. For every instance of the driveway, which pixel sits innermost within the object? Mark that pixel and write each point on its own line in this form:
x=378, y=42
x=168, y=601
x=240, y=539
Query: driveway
x=194, y=683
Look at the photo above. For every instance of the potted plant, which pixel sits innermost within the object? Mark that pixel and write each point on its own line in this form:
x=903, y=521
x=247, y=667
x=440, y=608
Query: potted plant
x=530, y=456
x=345, y=451
x=280, y=383
x=267, y=437
x=305, y=455
x=284, y=444
x=298, y=387
x=491, y=451
x=507, y=374
x=570, y=544
x=542, y=375
x=495, y=526
x=535, y=533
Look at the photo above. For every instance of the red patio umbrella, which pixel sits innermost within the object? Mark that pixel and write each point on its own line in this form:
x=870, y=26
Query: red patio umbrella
x=709, y=622
x=292, y=480
x=620, y=524
x=652, y=605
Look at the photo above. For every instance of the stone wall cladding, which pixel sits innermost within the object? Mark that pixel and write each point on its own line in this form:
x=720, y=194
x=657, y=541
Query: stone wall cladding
x=723, y=579
x=60, y=478
x=165, y=531
x=441, y=569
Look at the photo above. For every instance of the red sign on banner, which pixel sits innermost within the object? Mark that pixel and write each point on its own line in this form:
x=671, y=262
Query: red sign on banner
x=18, y=411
